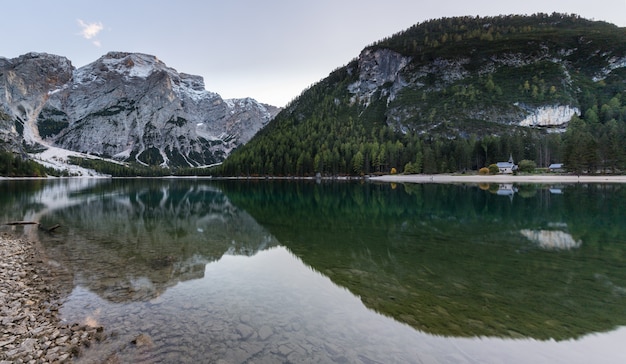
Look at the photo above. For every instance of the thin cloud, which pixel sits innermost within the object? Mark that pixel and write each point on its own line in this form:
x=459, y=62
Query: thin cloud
x=90, y=30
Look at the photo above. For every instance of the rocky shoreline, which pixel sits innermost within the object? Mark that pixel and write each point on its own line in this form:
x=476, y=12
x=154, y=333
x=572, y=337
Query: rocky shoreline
x=31, y=292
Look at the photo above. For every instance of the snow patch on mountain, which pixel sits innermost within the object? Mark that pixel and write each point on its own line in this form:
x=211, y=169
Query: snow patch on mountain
x=59, y=159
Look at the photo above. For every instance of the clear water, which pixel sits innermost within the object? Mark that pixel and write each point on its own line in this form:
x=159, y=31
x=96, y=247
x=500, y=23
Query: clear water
x=282, y=271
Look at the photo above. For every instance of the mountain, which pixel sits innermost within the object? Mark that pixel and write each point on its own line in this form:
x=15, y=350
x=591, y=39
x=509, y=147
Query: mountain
x=125, y=106
x=454, y=94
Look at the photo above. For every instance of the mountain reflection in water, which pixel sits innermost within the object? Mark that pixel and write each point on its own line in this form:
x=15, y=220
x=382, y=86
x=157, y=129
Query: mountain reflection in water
x=450, y=260
x=129, y=240
x=245, y=268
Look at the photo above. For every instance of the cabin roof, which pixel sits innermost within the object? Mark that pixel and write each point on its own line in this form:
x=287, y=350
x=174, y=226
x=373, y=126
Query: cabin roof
x=505, y=165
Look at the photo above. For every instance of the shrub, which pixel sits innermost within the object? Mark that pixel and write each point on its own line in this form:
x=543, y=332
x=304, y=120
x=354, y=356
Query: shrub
x=493, y=169
x=410, y=168
x=527, y=166
x=393, y=170
x=483, y=171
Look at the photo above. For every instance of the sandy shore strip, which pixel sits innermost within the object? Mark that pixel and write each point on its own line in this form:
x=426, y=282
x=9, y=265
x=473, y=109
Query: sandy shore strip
x=500, y=178
x=31, y=290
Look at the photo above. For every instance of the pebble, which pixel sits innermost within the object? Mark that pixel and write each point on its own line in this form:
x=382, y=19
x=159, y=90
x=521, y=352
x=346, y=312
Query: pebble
x=30, y=295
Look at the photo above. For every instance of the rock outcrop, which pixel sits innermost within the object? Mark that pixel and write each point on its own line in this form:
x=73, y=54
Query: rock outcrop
x=549, y=116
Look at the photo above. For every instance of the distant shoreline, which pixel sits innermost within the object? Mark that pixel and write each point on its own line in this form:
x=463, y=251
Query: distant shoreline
x=394, y=178
x=499, y=178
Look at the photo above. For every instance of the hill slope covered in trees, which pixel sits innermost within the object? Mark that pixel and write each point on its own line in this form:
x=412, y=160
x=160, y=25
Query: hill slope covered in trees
x=456, y=94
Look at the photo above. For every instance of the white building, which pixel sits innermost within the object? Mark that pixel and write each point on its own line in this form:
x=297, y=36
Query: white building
x=507, y=167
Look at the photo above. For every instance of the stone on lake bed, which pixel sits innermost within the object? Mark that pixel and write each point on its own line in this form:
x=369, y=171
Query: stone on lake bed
x=30, y=295
x=265, y=332
x=142, y=340
x=245, y=331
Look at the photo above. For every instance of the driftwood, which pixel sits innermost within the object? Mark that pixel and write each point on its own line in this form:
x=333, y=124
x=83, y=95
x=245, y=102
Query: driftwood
x=53, y=227
x=48, y=229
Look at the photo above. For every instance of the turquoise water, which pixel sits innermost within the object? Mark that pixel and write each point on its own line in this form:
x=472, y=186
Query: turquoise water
x=284, y=271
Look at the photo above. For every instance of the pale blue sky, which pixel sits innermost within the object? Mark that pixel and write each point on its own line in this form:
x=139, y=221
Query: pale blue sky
x=269, y=50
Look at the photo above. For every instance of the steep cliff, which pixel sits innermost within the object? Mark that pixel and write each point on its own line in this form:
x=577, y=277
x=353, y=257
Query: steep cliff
x=124, y=106
x=25, y=82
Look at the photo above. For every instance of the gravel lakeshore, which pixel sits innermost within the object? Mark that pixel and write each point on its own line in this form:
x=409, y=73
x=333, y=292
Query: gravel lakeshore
x=31, y=290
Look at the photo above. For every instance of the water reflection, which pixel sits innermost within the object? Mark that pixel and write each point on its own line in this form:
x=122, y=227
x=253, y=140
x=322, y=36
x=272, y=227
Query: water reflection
x=272, y=308
x=268, y=308
x=130, y=240
x=450, y=260
x=551, y=239
x=181, y=270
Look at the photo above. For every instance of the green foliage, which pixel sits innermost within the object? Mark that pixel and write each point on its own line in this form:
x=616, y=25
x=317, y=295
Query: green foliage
x=136, y=169
x=51, y=122
x=493, y=169
x=527, y=166
x=19, y=126
x=119, y=170
x=409, y=168
x=151, y=156
x=13, y=165
x=595, y=143
x=50, y=127
x=451, y=37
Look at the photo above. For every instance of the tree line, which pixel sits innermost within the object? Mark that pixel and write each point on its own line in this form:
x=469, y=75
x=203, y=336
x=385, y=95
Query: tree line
x=330, y=145
x=15, y=165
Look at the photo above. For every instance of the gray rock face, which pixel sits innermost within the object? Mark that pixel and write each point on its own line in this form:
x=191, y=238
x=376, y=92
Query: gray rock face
x=404, y=83
x=376, y=68
x=127, y=106
x=24, y=85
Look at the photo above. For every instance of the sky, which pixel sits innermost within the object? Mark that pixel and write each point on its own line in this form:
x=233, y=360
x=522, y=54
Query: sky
x=270, y=50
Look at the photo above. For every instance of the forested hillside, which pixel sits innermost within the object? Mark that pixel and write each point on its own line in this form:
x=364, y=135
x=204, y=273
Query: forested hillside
x=457, y=94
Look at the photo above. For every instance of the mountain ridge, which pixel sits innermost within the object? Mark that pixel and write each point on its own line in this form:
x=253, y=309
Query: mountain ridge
x=125, y=106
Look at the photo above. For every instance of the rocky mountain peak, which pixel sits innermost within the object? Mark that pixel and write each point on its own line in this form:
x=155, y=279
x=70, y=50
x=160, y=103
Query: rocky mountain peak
x=131, y=64
x=35, y=73
x=121, y=64
x=192, y=81
x=127, y=106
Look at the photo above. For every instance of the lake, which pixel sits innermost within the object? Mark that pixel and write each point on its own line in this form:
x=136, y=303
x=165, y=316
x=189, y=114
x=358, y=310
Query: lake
x=255, y=271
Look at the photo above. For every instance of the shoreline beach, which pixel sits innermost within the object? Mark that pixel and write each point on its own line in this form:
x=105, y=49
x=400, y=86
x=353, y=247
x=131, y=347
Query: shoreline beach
x=396, y=178
x=499, y=178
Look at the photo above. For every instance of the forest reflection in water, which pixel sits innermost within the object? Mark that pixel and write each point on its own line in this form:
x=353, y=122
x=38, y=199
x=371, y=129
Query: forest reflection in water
x=248, y=264
x=461, y=260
